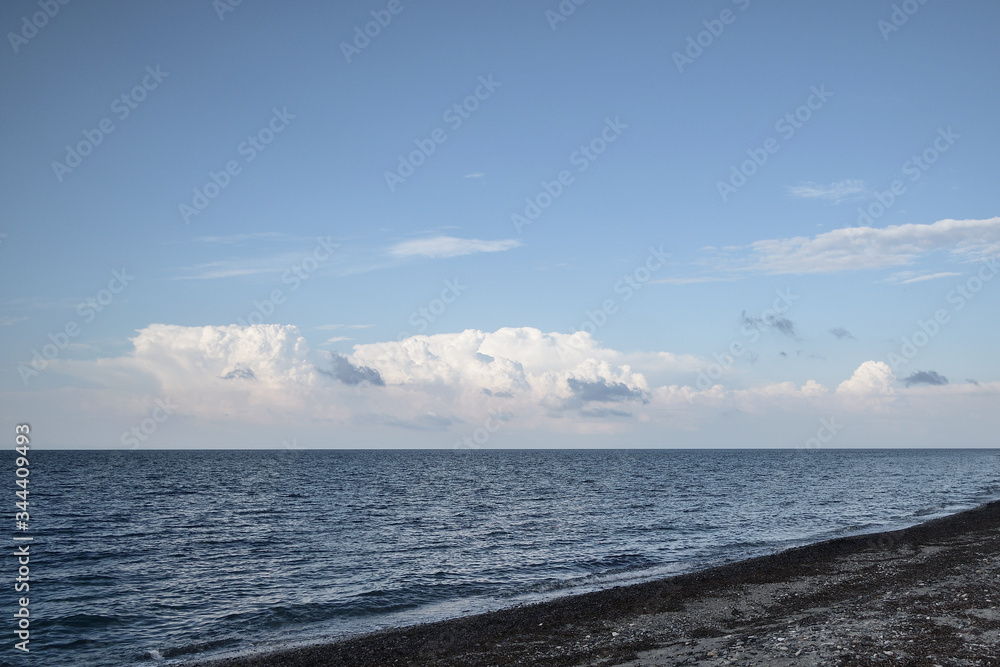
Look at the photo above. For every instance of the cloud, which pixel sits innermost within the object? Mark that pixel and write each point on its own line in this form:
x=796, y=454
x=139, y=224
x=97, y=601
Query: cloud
x=498, y=394
x=857, y=248
x=238, y=266
x=251, y=374
x=181, y=356
x=835, y=192
x=286, y=262
x=449, y=246
x=691, y=281
x=515, y=360
x=538, y=375
x=477, y=174
x=603, y=413
x=925, y=377
x=907, y=277
x=602, y=391
x=37, y=303
x=240, y=238
x=842, y=334
x=7, y=321
x=871, y=377
x=781, y=324
x=267, y=372
x=342, y=369
x=240, y=372
x=336, y=339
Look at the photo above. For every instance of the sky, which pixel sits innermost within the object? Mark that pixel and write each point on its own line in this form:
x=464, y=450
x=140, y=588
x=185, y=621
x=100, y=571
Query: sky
x=468, y=225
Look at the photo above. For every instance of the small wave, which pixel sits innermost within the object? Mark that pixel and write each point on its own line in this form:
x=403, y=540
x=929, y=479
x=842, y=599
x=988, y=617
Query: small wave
x=192, y=649
x=600, y=580
x=929, y=510
x=89, y=621
x=619, y=562
x=366, y=604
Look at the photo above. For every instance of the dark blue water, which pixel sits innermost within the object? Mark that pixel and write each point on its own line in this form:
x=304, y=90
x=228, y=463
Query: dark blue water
x=167, y=557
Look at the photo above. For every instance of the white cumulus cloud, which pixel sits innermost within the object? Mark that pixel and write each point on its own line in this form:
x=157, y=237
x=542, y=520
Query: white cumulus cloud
x=544, y=368
x=871, y=377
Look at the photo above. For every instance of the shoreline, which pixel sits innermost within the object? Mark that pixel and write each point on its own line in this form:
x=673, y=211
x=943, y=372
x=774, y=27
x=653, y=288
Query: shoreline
x=922, y=595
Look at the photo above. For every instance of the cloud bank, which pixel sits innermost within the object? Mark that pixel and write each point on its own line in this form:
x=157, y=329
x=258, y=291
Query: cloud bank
x=541, y=382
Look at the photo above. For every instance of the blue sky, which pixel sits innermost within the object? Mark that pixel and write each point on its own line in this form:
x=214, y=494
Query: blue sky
x=645, y=110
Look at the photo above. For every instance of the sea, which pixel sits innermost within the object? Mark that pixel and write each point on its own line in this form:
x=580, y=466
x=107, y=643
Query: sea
x=170, y=557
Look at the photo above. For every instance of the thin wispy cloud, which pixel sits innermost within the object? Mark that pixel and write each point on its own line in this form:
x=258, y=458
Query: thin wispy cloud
x=477, y=174
x=449, y=246
x=36, y=303
x=907, y=277
x=295, y=264
x=9, y=321
x=834, y=192
x=239, y=267
x=241, y=238
x=337, y=339
x=857, y=248
x=691, y=281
